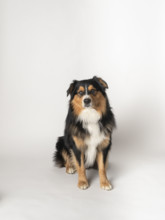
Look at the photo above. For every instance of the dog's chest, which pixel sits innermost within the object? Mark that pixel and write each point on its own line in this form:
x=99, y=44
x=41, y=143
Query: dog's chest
x=92, y=141
x=90, y=119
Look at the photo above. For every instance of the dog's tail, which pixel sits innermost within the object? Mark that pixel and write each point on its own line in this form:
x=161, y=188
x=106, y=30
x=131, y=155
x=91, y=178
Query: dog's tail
x=62, y=153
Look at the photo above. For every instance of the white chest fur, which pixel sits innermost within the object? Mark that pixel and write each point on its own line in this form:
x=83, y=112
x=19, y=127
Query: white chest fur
x=90, y=118
x=95, y=138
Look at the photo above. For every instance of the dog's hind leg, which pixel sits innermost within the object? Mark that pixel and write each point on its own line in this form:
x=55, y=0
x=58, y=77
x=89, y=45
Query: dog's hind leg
x=62, y=156
x=68, y=163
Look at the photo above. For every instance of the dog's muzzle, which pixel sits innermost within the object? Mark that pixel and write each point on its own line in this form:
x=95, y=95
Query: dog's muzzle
x=87, y=102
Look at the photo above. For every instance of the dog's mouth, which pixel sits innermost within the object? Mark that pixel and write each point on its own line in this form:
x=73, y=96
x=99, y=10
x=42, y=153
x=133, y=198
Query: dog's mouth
x=87, y=106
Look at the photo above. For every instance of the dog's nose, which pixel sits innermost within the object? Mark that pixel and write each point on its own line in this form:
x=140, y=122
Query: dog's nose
x=87, y=101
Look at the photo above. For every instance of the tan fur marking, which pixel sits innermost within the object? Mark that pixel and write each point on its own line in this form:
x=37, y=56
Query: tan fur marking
x=104, y=183
x=68, y=162
x=82, y=180
x=65, y=156
x=79, y=142
x=90, y=87
x=103, y=82
x=81, y=88
x=99, y=102
x=106, y=162
x=77, y=104
x=104, y=143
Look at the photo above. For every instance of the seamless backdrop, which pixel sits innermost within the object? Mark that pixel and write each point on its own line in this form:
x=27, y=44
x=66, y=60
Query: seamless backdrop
x=44, y=46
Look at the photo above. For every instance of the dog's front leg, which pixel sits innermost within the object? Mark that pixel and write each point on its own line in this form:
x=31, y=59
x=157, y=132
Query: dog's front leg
x=101, y=161
x=78, y=159
x=82, y=180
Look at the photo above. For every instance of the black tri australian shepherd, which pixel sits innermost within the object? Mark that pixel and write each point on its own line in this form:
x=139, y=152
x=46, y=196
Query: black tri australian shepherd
x=88, y=131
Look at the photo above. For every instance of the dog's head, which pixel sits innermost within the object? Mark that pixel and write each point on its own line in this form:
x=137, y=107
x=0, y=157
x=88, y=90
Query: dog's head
x=88, y=95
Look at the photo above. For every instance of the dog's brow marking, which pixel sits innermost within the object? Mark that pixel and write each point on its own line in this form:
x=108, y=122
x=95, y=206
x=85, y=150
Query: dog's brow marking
x=81, y=88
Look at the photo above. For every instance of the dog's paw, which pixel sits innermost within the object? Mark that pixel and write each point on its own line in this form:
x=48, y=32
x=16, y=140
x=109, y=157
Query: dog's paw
x=106, y=185
x=83, y=184
x=70, y=170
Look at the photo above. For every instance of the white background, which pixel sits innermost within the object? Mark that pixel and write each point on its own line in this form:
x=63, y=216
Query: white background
x=45, y=44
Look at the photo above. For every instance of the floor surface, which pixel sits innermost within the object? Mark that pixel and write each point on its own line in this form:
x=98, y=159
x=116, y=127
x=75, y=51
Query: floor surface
x=32, y=188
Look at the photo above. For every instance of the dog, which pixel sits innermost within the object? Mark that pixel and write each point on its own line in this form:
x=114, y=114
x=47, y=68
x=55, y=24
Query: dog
x=88, y=131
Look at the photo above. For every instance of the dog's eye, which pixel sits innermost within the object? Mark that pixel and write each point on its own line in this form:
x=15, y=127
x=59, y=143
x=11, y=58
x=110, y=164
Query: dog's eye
x=93, y=91
x=81, y=93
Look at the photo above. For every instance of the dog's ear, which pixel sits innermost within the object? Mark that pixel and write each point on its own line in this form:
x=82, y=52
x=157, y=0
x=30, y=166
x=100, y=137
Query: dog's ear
x=71, y=87
x=101, y=82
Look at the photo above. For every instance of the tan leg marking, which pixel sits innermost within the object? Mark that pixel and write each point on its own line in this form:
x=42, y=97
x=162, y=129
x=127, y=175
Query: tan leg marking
x=82, y=180
x=77, y=104
x=68, y=163
x=79, y=142
x=104, y=183
x=104, y=143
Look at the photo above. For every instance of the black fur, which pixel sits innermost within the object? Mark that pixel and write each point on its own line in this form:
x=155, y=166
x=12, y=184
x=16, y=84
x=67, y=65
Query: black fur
x=74, y=127
x=60, y=147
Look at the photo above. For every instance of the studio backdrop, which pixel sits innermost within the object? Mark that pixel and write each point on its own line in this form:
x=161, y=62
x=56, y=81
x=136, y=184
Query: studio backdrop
x=44, y=46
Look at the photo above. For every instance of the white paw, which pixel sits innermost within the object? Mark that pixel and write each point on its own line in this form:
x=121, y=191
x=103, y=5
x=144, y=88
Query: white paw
x=83, y=185
x=70, y=170
x=106, y=186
